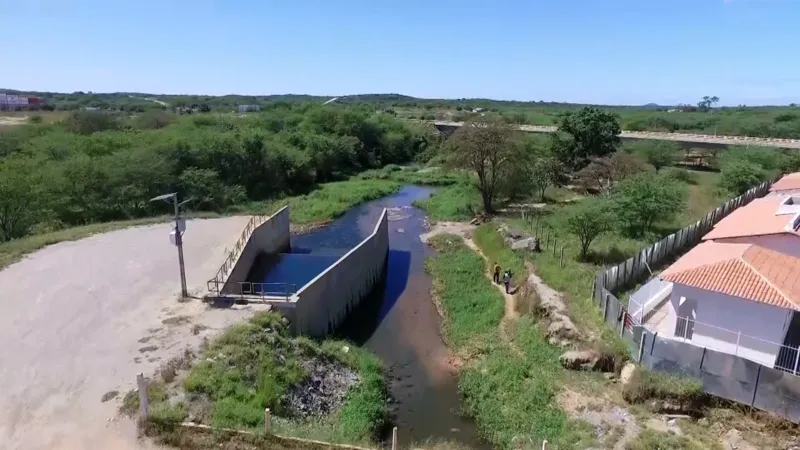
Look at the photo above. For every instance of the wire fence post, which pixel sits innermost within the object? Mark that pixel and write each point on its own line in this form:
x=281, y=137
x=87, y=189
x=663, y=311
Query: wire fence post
x=144, y=407
x=394, y=438
x=554, y=246
x=641, y=345
x=267, y=421
x=562, y=257
x=544, y=444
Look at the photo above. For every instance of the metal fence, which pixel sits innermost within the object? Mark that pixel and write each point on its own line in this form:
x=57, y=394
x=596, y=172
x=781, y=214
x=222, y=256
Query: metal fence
x=783, y=357
x=725, y=375
x=219, y=279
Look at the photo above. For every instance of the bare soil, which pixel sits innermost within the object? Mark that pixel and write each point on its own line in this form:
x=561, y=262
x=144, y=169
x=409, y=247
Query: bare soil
x=74, y=317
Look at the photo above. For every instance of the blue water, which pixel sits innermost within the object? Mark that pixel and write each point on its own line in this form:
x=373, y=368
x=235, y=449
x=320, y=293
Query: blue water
x=313, y=252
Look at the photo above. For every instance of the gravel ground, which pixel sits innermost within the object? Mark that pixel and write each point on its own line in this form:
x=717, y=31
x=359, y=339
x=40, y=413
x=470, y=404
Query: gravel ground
x=80, y=319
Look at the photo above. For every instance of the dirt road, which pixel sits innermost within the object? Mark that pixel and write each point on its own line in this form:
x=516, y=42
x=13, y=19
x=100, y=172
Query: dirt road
x=79, y=319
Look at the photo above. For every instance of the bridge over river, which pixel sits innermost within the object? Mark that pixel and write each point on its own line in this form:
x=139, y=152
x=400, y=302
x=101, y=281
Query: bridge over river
x=688, y=140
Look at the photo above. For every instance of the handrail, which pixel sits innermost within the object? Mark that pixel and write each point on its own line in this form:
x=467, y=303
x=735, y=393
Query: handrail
x=213, y=284
x=267, y=289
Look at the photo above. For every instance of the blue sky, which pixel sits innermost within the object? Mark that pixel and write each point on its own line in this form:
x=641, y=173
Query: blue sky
x=593, y=51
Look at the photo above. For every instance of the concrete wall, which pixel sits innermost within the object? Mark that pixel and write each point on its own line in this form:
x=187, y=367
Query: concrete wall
x=720, y=317
x=272, y=236
x=325, y=301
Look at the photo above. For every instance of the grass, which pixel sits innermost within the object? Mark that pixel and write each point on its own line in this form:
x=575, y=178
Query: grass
x=455, y=202
x=322, y=205
x=494, y=248
x=473, y=308
x=512, y=398
x=253, y=365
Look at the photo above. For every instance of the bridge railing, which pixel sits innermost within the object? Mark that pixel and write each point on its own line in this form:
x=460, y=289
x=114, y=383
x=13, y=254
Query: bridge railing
x=263, y=290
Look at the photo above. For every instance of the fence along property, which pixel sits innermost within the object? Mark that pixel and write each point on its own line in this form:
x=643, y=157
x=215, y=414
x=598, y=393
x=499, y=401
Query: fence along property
x=724, y=375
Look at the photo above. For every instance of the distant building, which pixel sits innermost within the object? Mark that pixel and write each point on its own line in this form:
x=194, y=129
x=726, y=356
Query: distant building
x=249, y=108
x=14, y=102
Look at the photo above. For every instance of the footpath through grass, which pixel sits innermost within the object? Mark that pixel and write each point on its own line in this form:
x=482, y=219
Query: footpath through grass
x=258, y=365
x=324, y=204
x=512, y=398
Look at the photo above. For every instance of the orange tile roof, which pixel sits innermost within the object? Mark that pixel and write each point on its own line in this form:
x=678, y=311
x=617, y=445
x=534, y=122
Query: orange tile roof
x=787, y=183
x=741, y=270
x=757, y=218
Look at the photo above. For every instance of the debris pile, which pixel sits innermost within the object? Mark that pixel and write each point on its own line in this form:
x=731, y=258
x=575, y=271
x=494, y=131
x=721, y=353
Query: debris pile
x=324, y=390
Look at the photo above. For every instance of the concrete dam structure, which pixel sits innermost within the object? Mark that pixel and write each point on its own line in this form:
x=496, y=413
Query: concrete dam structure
x=314, y=289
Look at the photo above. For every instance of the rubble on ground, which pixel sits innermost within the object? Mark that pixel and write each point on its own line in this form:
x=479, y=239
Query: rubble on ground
x=516, y=239
x=560, y=329
x=587, y=360
x=325, y=389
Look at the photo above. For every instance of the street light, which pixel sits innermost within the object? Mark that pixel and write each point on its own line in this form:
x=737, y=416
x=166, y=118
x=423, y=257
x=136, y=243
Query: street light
x=180, y=227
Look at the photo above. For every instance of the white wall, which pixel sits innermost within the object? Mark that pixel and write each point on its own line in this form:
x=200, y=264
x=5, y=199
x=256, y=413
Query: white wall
x=327, y=299
x=757, y=323
x=272, y=236
x=785, y=243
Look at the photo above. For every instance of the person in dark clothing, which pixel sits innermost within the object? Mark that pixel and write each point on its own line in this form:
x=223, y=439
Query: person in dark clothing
x=507, y=281
x=496, y=276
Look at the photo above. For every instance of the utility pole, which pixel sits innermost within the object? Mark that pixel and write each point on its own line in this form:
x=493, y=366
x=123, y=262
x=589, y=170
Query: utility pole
x=180, y=227
x=179, y=244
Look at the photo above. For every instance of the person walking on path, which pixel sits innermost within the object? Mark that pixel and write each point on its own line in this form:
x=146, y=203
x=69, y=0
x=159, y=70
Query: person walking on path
x=507, y=281
x=496, y=276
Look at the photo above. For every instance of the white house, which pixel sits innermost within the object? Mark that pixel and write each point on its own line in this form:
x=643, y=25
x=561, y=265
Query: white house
x=737, y=298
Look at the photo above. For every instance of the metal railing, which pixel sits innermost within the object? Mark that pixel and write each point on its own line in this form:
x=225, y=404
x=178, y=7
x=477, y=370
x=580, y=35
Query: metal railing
x=216, y=283
x=263, y=290
x=786, y=359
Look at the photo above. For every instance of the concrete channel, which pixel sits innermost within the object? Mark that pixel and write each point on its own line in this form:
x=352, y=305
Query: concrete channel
x=362, y=278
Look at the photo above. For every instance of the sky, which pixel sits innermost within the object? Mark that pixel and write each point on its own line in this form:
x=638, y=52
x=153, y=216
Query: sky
x=580, y=51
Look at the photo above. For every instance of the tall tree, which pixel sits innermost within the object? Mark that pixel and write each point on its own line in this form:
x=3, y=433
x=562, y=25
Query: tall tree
x=659, y=154
x=583, y=134
x=707, y=103
x=545, y=172
x=487, y=149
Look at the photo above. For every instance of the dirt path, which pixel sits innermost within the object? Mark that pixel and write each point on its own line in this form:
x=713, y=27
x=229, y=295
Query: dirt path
x=465, y=230
x=80, y=319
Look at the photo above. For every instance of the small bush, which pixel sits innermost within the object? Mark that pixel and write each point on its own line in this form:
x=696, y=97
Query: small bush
x=35, y=119
x=645, y=385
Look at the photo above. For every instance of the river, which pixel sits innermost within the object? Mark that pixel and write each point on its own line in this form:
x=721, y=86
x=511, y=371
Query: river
x=399, y=322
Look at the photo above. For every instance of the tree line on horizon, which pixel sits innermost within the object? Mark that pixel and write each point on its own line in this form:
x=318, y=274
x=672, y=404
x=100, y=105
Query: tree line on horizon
x=97, y=167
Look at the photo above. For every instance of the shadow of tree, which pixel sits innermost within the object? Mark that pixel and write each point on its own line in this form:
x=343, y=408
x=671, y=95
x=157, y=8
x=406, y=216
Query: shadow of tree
x=610, y=256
